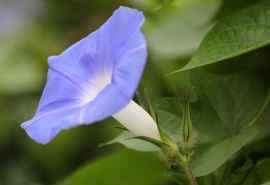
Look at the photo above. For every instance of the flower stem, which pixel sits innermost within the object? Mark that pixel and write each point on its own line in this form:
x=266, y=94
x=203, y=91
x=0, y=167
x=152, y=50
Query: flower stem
x=184, y=163
x=190, y=176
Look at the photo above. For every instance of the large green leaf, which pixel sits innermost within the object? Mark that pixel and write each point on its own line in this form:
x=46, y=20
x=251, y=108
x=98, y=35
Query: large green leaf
x=235, y=111
x=235, y=34
x=208, y=161
x=235, y=97
x=215, y=156
x=121, y=168
x=207, y=122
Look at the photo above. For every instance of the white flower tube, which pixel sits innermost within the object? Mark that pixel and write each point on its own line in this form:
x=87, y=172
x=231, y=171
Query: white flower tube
x=138, y=121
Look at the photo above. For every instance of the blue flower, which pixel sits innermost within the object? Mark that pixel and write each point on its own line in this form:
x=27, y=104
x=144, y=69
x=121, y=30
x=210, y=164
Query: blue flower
x=94, y=79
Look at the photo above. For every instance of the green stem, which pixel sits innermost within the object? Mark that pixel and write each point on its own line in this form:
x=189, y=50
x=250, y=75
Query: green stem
x=190, y=176
x=184, y=163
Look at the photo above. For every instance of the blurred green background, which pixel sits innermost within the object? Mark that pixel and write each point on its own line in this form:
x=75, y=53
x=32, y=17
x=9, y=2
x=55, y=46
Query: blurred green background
x=32, y=30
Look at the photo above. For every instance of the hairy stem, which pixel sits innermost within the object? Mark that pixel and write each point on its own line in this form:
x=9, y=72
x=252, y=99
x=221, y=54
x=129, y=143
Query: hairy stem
x=185, y=165
x=190, y=176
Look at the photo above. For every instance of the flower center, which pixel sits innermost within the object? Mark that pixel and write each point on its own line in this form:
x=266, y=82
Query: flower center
x=96, y=85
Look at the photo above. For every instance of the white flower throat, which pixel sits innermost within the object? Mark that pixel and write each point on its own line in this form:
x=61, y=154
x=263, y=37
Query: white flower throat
x=132, y=116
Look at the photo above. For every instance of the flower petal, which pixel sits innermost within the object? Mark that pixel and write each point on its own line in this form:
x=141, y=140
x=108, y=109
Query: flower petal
x=99, y=52
x=129, y=69
x=52, y=118
x=93, y=79
x=59, y=88
x=44, y=127
x=107, y=103
x=120, y=29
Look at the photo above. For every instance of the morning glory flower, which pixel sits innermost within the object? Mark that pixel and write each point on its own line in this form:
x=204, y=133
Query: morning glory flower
x=94, y=79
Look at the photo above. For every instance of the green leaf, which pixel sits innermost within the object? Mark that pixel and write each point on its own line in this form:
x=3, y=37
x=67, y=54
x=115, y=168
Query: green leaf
x=262, y=169
x=260, y=173
x=168, y=104
x=178, y=31
x=206, y=122
x=224, y=92
x=239, y=175
x=214, y=156
x=208, y=161
x=235, y=34
x=121, y=168
x=170, y=124
x=267, y=183
x=127, y=139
